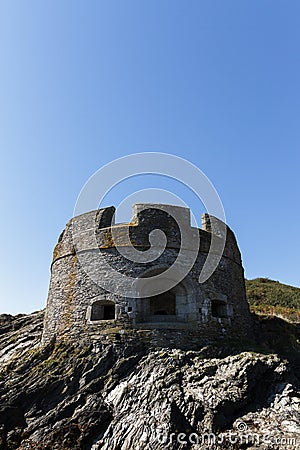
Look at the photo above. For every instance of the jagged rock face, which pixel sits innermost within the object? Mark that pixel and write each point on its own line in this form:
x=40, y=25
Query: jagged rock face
x=70, y=395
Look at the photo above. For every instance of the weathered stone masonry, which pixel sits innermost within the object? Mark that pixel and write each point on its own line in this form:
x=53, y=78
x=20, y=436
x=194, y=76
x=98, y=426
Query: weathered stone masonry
x=189, y=314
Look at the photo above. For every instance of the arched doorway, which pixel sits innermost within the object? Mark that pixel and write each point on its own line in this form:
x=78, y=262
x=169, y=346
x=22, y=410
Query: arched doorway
x=163, y=304
x=161, y=300
x=169, y=306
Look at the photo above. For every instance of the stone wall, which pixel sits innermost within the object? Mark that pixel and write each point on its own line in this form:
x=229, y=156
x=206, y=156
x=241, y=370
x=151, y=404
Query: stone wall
x=207, y=310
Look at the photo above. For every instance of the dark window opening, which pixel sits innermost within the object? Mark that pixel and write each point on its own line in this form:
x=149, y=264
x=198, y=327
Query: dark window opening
x=108, y=312
x=163, y=304
x=102, y=310
x=129, y=309
x=218, y=309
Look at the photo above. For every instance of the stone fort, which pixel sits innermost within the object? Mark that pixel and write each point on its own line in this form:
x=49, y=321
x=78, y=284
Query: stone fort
x=167, y=310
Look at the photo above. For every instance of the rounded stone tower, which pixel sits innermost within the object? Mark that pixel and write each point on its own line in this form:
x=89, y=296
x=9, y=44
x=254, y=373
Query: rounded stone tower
x=110, y=281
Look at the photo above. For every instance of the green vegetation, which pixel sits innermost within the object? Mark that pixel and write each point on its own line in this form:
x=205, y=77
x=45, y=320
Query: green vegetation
x=273, y=298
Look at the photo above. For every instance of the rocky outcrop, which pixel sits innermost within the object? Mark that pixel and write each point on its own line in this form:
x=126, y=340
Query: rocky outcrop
x=121, y=396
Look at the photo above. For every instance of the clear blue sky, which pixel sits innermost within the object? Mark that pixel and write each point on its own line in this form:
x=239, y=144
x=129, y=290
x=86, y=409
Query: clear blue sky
x=82, y=83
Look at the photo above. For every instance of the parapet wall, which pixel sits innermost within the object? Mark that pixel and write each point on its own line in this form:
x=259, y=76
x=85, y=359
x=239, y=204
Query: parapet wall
x=98, y=230
x=206, y=310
